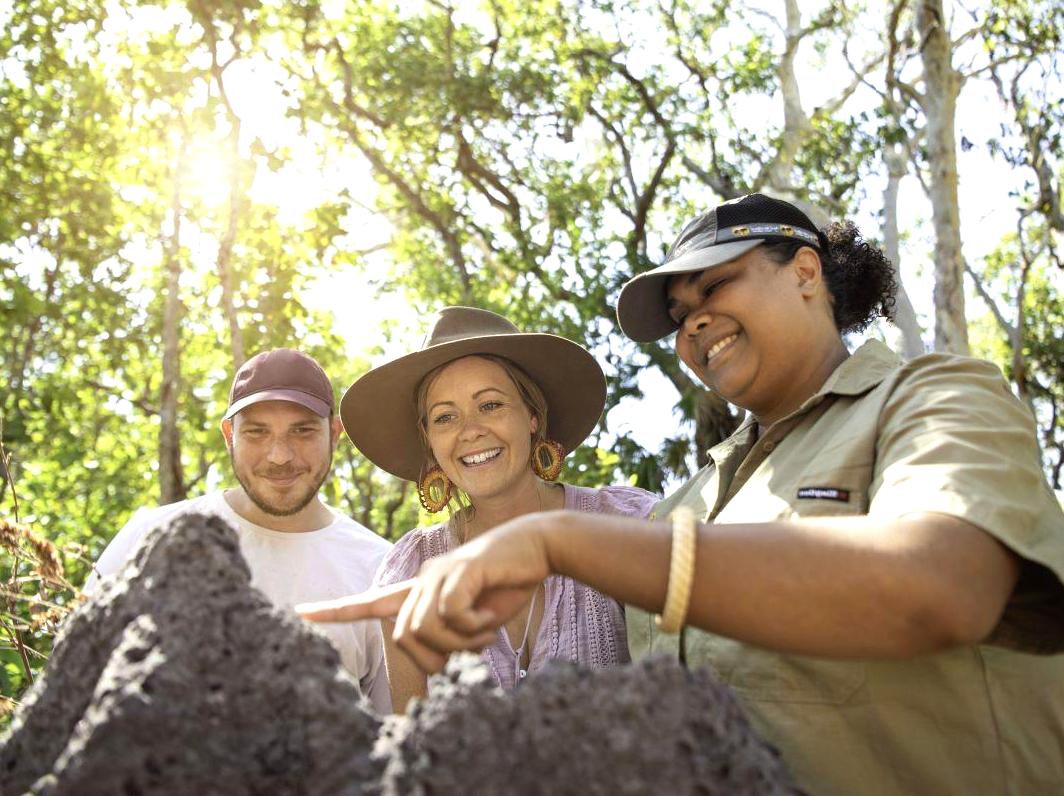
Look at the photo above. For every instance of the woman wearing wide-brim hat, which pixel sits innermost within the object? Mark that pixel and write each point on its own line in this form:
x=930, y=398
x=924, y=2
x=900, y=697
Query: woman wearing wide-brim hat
x=480, y=417
x=873, y=560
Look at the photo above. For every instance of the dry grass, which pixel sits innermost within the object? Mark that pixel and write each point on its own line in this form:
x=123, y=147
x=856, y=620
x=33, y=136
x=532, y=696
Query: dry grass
x=35, y=597
x=7, y=706
x=44, y=559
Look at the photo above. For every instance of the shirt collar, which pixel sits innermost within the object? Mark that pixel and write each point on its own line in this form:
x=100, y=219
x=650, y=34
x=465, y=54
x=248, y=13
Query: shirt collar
x=861, y=371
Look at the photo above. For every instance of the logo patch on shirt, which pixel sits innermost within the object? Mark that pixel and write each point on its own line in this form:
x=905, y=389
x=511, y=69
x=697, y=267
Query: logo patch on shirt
x=824, y=493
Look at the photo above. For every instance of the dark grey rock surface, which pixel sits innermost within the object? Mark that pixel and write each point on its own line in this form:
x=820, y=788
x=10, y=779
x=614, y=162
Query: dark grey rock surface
x=179, y=678
x=652, y=727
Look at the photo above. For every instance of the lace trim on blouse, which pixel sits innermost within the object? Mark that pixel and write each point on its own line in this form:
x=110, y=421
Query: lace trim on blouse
x=579, y=624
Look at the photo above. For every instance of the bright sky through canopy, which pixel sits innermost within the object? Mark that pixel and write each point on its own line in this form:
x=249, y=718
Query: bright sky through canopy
x=310, y=171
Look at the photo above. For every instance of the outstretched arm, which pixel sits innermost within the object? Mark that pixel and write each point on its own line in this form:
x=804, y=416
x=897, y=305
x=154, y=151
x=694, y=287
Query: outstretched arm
x=847, y=588
x=837, y=587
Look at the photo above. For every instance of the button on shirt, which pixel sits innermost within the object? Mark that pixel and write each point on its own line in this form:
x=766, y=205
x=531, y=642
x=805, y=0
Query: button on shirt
x=940, y=434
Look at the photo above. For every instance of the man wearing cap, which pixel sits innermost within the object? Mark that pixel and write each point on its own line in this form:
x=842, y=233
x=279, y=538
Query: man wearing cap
x=280, y=430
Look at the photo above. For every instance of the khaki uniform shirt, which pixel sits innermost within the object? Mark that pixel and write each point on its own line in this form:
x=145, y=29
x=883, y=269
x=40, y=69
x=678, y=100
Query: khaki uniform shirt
x=938, y=434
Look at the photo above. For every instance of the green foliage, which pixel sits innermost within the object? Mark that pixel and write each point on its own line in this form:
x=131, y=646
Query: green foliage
x=525, y=157
x=1042, y=349
x=35, y=595
x=1044, y=352
x=94, y=165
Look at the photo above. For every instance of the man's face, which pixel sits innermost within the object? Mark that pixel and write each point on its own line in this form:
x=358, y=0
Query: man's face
x=281, y=454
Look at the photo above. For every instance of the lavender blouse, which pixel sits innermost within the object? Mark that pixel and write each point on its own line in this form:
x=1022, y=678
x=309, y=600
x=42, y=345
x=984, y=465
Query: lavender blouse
x=579, y=624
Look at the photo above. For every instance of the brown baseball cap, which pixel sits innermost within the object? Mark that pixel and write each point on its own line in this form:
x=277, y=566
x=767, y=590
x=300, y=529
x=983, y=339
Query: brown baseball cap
x=281, y=375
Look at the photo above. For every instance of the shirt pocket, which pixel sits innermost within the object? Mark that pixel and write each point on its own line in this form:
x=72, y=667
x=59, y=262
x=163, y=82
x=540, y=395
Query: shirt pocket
x=763, y=676
x=769, y=677
x=836, y=492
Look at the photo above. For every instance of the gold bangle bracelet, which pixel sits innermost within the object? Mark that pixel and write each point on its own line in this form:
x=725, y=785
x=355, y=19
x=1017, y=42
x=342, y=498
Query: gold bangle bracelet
x=681, y=570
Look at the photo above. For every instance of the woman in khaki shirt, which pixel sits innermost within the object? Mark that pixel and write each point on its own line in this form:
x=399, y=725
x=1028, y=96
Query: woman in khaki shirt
x=878, y=563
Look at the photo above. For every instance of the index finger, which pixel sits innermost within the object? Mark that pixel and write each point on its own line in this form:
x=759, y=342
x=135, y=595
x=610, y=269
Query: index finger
x=379, y=603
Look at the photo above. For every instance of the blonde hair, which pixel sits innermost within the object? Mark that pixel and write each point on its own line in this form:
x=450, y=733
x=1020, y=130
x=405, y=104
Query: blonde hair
x=531, y=395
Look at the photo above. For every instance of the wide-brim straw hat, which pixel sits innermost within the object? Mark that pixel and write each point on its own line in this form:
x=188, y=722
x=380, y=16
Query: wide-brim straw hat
x=379, y=412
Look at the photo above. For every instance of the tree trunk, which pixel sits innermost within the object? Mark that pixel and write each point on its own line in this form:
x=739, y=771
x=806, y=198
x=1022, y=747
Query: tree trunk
x=171, y=478
x=390, y=509
x=904, y=315
x=796, y=124
x=939, y=101
x=236, y=194
x=367, y=496
x=1019, y=329
x=225, y=249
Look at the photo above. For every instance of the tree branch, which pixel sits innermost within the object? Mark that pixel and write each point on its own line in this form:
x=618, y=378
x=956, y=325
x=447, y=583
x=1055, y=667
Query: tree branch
x=980, y=288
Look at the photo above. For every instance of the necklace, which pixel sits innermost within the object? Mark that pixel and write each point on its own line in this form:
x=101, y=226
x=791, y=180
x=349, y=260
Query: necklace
x=519, y=673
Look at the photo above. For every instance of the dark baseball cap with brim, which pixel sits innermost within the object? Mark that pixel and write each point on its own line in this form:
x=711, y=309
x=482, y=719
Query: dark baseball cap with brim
x=713, y=238
x=283, y=374
x=379, y=410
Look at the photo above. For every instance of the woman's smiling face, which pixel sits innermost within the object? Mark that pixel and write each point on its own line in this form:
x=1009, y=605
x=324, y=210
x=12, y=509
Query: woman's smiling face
x=745, y=327
x=479, y=428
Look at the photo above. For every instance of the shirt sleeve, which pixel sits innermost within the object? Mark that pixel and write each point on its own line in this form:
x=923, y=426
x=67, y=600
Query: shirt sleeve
x=402, y=561
x=629, y=501
x=954, y=440
x=118, y=549
x=374, y=684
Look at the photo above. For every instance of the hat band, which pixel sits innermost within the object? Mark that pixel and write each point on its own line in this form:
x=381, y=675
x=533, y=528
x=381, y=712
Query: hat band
x=747, y=231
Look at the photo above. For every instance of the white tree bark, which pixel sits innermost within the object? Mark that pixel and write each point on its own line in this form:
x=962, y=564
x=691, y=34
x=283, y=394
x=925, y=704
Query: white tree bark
x=796, y=125
x=171, y=477
x=236, y=205
x=939, y=102
x=912, y=344
x=225, y=248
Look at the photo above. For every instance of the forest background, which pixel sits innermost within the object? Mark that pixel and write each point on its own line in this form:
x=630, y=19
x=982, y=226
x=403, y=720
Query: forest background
x=184, y=183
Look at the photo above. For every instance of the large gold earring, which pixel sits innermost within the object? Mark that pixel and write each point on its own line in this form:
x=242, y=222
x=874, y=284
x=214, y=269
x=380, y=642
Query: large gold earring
x=434, y=490
x=547, y=458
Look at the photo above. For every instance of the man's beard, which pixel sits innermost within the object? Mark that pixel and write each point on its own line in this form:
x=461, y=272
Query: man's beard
x=301, y=502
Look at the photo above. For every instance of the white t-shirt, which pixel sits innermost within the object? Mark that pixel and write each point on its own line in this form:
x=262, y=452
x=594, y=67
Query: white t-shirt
x=290, y=568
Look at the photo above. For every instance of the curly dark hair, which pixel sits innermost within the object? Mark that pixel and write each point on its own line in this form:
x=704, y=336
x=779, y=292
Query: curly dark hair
x=858, y=274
